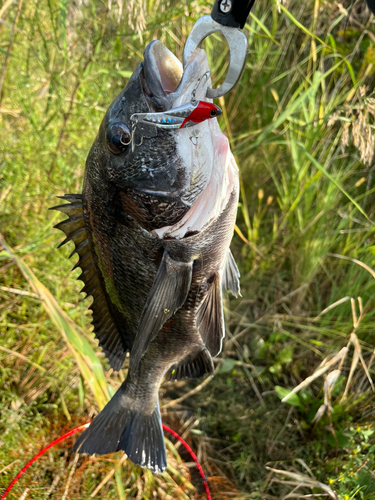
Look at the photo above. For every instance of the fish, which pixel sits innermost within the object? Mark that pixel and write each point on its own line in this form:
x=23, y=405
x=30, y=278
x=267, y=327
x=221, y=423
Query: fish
x=152, y=228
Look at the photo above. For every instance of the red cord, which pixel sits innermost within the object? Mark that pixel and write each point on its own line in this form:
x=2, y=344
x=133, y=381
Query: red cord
x=42, y=451
x=80, y=428
x=193, y=456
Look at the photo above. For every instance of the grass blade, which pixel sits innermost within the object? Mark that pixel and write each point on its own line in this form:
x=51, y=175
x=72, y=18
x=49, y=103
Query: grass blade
x=340, y=355
x=301, y=27
x=89, y=364
x=333, y=180
x=63, y=10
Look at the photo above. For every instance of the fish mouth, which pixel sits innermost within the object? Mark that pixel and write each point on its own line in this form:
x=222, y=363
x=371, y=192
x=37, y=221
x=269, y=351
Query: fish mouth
x=166, y=84
x=162, y=70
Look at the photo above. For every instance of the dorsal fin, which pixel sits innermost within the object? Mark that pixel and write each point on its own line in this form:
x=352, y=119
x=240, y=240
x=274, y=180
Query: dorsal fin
x=210, y=319
x=231, y=276
x=105, y=328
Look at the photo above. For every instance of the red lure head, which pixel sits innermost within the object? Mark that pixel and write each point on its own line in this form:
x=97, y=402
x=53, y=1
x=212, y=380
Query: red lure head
x=202, y=112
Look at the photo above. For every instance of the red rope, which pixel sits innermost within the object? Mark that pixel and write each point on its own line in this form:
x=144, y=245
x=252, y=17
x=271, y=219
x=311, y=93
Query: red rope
x=42, y=451
x=193, y=456
x=80, y=428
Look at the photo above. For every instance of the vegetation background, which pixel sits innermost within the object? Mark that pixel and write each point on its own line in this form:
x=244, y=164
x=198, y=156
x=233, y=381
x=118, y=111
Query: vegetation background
x=301, y=124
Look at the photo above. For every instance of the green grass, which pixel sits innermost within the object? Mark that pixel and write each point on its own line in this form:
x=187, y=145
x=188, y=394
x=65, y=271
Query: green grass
x=301, y=124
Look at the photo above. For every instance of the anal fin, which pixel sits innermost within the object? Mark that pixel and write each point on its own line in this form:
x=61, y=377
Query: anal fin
x=210, y=319
x=231, y=276
x=195, y=368
x=168, y=293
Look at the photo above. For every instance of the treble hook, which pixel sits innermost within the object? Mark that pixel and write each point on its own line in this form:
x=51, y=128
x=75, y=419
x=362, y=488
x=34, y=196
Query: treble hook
x=132, y=140
x=207, y=74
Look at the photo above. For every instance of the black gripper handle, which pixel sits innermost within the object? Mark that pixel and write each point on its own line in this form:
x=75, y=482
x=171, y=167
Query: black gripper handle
x=232, y=13
x=371, y=5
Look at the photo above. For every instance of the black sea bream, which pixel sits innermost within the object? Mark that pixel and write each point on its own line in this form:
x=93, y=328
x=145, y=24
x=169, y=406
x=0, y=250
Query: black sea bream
x=152, y=228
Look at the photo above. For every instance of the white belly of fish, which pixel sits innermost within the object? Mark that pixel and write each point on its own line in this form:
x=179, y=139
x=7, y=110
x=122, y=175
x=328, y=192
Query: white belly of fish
x=211, y=155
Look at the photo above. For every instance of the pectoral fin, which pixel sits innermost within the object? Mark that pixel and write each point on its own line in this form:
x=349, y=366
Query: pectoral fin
x=231, y=277
x=210, y=319
x=168, y=293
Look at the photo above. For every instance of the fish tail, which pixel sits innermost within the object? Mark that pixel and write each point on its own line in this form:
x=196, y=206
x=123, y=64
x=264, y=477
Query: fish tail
x=138, y=434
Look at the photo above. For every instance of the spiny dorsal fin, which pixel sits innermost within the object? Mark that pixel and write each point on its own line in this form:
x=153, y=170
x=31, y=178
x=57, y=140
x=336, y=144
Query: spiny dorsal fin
x=168, y=293
x=195, y=368
x=104, y=327
x=210, y=320
x=231, y=276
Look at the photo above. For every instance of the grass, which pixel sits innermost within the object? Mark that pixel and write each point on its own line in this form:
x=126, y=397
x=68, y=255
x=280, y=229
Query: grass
x=301, y=124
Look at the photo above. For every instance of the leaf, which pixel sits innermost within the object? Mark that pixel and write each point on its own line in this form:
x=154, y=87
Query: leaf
x=293, y=400
x=227, y=365
x=325, y=366
x=88, y=363
x=342, y=440
x=117, y=47
x=285, y=355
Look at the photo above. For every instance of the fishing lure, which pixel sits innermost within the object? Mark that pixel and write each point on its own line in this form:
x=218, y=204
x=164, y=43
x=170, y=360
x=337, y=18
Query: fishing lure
x=184, y=116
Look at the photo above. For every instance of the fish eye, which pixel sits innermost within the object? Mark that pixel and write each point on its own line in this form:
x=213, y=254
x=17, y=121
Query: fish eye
x=213, y=112
x=118, y=138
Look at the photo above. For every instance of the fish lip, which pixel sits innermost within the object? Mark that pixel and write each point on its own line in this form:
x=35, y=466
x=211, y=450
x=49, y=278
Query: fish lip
x=151, y=74
x=159, y=81
x=152, y=78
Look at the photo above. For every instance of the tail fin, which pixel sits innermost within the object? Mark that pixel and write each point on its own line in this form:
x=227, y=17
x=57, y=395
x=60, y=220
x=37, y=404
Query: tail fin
x=117, y=428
